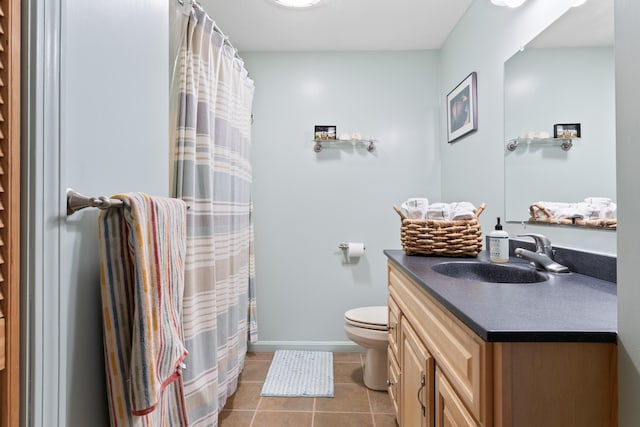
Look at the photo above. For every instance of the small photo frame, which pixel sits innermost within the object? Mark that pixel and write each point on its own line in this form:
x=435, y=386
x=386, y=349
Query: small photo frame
x=324, y=133
x=462, y=108
x=566, y=130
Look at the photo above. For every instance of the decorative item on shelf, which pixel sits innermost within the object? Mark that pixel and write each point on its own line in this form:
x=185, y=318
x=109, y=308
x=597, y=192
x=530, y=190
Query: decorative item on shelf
x=462, y=109
x=454, y=238
x=566, y=130
x=324, y=133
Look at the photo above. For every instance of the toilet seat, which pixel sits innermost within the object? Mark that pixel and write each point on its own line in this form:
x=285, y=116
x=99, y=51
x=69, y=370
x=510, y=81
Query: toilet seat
x=374, y=318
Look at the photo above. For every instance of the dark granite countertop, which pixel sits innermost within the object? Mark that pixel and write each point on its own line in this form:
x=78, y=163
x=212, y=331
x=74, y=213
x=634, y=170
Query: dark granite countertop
x=566, y=308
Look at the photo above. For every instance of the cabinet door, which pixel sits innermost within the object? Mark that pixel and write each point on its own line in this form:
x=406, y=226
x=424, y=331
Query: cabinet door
x=416, y=382
x=450, y=411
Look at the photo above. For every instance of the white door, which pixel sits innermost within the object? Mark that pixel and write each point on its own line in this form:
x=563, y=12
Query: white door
x=98, y=111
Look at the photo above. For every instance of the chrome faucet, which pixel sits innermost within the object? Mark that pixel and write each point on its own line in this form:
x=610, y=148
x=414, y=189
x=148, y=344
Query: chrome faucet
x=542, y=258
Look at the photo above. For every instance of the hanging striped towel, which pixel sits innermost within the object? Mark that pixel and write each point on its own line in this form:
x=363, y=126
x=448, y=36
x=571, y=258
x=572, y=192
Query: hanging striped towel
x=142, y=252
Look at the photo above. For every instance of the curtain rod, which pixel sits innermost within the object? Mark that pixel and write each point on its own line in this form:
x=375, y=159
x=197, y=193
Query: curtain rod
x=216, y=28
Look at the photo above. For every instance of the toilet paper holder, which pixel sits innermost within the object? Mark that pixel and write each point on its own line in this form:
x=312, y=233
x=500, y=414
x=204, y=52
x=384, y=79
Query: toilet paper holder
x=344, y=246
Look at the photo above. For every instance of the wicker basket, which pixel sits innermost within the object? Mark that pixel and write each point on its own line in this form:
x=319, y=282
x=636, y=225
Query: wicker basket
x=462, y=238
x=539, y=213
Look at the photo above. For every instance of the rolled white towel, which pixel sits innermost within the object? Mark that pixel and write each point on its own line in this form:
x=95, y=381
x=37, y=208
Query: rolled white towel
x=591, y=211
x=462, y=211
x=606, y=207
x=438, y=211
x=578, y=211
x=588, y=211
x=609, y=212
x=554, y=208
x=598, y=201
x=604, y=211
x=415, y=208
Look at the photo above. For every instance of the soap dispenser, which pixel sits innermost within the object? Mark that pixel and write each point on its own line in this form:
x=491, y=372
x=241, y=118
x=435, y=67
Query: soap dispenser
x=499, y=244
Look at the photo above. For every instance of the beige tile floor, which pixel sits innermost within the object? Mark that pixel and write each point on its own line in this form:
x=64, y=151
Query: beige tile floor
x=352, y=405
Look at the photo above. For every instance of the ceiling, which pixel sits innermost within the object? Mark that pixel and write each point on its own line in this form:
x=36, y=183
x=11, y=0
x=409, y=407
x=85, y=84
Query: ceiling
x=591, y=24
x=259, y=25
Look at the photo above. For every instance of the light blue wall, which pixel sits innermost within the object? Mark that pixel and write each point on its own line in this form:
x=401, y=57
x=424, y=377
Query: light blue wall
x=307, y=203
x=113, y=140
x=560, y=85
x=484, y=38
x=628, y=154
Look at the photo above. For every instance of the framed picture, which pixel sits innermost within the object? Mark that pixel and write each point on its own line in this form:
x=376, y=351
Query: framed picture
x=324, y=133
x=462, y=109
x=566, y=130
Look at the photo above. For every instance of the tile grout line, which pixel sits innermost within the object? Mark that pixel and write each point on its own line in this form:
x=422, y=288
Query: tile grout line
x=313, y=411
x=373, y=419
x=255, y=412
x=315, y=399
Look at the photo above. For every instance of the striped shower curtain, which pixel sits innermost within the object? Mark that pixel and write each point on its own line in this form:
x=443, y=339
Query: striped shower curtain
x=213, y=176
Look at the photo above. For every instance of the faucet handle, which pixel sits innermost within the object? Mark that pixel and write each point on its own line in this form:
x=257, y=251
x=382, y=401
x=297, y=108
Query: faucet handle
x=543, y=244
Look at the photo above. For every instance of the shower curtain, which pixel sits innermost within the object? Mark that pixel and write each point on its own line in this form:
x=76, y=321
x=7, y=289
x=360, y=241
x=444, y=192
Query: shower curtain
x=213, y=176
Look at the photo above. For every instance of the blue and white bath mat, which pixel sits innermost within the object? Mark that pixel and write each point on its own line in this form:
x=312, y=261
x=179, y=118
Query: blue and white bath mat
x=297, y=373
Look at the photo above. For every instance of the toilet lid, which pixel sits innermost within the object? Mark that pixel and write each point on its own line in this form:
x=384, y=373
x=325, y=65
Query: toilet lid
x=368, y=317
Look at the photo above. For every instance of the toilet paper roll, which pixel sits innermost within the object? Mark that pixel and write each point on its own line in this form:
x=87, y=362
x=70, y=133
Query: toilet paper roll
x=355, y=249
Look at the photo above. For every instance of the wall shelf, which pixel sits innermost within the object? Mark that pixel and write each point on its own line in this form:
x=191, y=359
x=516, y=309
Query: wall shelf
x=336, y=143
x=564, y=143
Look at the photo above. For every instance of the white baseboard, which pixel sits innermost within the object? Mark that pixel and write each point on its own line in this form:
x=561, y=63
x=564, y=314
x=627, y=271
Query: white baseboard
x=335, y=346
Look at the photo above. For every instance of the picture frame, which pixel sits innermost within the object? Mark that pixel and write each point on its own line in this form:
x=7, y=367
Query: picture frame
x=462, y=108
x=566, y=130
x=325, y=133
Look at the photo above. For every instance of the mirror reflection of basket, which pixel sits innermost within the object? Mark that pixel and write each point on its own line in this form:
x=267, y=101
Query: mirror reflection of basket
x=540, y=213
x=459, y=238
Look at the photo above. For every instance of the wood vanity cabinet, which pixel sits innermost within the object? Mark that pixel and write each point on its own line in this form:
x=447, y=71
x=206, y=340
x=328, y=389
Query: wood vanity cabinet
x=443, y=374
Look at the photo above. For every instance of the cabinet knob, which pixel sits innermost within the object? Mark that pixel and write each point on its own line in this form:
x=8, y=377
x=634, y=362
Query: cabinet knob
x=390, y=383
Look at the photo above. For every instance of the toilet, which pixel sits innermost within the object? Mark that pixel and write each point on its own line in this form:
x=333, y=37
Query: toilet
x=367, y=327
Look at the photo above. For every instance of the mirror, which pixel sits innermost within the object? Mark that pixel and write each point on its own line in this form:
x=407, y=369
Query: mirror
x=565, y=76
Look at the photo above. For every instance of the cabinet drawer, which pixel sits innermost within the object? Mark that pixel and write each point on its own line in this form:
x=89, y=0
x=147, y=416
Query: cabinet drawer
x=449, y=409
x=394, y=327
x=461, y=355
